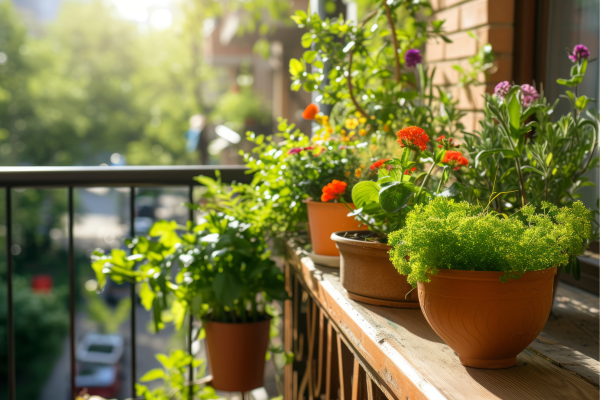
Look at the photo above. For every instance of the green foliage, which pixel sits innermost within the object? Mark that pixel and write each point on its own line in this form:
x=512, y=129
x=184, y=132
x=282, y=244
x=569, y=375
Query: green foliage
x=445, y=234
x=235, y=109
x=108, y=320
x=174, y=375
x=41, y=324
x=224, y=273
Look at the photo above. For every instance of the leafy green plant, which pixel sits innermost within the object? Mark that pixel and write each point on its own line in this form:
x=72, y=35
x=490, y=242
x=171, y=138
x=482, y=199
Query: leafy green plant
x=174, y=375
x=224, y=272
x=446, y=234
x=384, y=204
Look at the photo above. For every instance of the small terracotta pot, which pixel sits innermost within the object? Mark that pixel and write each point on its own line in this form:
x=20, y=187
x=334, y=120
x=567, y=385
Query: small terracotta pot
x=487, y=322
x=369, y=276
x=323, y=220
x=236, y=353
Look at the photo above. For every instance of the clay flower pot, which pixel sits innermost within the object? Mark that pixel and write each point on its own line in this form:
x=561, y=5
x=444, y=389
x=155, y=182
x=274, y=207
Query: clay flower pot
x=369, y=276
x=323, y=220
x=487, y=322
x=236, y=353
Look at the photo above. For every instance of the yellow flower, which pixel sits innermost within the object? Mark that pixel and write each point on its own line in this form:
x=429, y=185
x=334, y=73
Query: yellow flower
x=362, y=132
x=386, y=128
x=358, y=114
x=362, y=120
x=329, y=130
x=407, y=119
x=372, y=117
x=362, y=166
x=358, y=172
x=351, y=123
x=343, y=131
x=347, y=173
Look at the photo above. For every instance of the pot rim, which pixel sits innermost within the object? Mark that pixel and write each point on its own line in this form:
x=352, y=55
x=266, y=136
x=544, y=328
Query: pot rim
x=337, y=237
x=491, y=275
x=311, y=201
x=239, y=323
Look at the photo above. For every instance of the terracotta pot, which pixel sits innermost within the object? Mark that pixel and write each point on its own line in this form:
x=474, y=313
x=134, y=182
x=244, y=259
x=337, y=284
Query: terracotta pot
x=236, y=353
x=487, y=322
x=323, y=220
x=369, y=276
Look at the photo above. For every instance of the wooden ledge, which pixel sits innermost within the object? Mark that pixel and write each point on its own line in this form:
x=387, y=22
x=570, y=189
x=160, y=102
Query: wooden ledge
x=407, y=360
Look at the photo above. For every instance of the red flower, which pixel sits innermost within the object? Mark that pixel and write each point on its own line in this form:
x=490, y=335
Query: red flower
x=295, y=150
x=413, y=137
x=310, y=112
x=407, y=172
x=441, y=138
x=378, y=164
x=455, y=159
x=333, y=190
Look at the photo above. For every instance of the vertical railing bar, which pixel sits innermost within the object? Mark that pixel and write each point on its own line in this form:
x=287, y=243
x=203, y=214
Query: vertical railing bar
x=72, y=295
x=12, y=383
x=132, y=294
x=191, y=316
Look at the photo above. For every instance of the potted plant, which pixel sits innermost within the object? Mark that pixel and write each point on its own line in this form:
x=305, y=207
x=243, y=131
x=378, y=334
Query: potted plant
x=485, y=279
x=290, y=171
x=224, y=277
x=523, y=143
x=367, y=273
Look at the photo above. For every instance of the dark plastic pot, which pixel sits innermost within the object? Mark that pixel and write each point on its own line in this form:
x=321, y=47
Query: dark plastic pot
x=237, y=354
x=369, y=276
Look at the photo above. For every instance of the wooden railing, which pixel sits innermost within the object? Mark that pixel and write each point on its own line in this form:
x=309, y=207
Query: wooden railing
x=350, y=350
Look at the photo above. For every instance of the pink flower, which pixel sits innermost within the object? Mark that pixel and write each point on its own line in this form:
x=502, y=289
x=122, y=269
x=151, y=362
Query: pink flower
x=528, y=95
x=295, y=150
x=579, y=52
x=502, y=89
x=413, y=57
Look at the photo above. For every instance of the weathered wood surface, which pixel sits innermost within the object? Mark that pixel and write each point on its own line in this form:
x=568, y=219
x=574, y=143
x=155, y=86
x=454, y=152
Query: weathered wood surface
x=407, y=360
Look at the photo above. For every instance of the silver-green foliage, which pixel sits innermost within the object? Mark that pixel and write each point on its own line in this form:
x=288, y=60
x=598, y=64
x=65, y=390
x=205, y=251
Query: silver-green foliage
x=445, y=234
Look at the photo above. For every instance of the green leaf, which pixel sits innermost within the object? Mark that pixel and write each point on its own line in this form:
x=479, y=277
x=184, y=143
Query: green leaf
x=582, y=102
x=153, y=374
x=365, y=192
x=514, y=115
x=306, y=40
x=309, y=56
x=393, y=197
x=296, y=67
x=227, y=288
x=531, y=169
x=146, y=296
x=453, y=191
x=486, y=153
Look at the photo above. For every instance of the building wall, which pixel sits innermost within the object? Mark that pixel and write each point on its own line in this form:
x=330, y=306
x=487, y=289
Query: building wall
x=491, y=21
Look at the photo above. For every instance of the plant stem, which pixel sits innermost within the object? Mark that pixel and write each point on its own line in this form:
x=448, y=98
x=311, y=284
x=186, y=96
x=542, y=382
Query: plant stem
x=371, y=228
x=441, y=181
x=388, y=14
x=425, y=180
x=421, y=82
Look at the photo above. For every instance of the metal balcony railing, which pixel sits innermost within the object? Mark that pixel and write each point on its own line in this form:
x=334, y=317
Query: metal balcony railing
x=70, y=177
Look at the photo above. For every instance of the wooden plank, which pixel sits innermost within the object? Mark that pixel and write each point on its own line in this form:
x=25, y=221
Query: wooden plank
x=331, y=375
x=405, y=353
x=358, y=382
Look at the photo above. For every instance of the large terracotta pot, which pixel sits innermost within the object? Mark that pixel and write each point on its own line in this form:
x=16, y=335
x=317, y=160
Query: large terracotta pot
x=369, y=276
x=487, y=322
x=236, y=353
x=323, y=220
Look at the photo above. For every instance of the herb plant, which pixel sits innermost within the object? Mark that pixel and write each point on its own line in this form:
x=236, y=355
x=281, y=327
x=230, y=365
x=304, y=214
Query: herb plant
x=446, y=234
x=219, y=271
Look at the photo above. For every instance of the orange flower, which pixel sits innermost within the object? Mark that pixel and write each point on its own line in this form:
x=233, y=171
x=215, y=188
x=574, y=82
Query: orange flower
x=455, y=159
x=378, y=164
x=333, y=190
x=310, y=112
x=407, y=172
x=413, y=137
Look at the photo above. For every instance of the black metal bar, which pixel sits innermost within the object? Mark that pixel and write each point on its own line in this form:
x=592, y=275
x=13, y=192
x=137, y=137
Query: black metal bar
x=72, y=295
x=133, y=297
x=191, y=316
x=12, y=381
x=117, y=176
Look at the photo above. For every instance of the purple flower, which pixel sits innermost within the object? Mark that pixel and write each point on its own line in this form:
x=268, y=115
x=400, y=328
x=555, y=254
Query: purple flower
x=528, y=95
x=502, y=89
x=413, y=57
x=579, y=52
x=295, y=150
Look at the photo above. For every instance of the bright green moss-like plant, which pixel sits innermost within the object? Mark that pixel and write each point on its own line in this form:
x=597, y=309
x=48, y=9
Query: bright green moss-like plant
x=445, y=234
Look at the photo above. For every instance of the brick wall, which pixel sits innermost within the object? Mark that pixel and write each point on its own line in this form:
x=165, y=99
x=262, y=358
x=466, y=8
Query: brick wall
x=492, y=22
